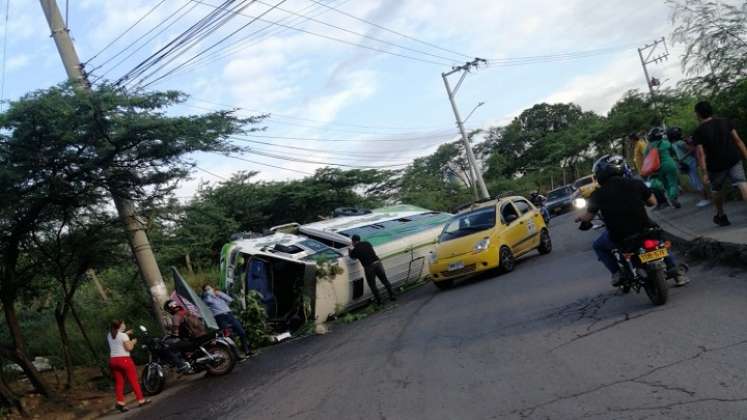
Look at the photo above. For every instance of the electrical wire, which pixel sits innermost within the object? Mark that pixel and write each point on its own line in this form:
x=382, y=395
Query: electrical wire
x=368, y=155
x=220, y=41
x=211, y=173
x=383, y=28
x=5, y=55
x=316, y=162
x=277, y=119
x=148, y=41
x=126, y=31
x=264, y=164
x=242, y=44
x=339, y=40
x=187, y=39
x=326, y=140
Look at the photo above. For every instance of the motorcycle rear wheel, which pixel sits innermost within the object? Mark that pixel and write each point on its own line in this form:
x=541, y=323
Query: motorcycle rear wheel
x=227, y=363
x=152, y=380
x=656, y=285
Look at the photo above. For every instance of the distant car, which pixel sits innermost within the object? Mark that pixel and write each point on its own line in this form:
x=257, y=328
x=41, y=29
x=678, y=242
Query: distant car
x=560, y=199
x=486, y=236
x=585, y=186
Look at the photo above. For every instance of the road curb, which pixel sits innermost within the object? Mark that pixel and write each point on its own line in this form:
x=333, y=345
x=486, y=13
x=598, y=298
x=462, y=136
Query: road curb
x=707, y=249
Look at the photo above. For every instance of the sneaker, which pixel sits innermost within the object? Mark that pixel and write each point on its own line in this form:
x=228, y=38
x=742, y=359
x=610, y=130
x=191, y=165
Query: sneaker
x=703, y=203
x=616, y=279
x=721, y=220
x=681, y=280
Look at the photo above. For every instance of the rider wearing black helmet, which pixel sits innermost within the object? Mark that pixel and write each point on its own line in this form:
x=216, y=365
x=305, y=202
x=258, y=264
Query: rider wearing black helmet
x=622, y=202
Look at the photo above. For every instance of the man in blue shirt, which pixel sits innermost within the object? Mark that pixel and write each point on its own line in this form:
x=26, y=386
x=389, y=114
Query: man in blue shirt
x=219, y=302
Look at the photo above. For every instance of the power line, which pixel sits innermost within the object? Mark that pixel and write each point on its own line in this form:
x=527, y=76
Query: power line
x=241, y=45
x=325, y=140
x=241, y=28
x=117, y=64
x=5, y=55
x=316, y=162
x=195, y=33
x=211, y=173
x=126, y=31
x=264, y=164
x=376, y=25
x=336, y=151
x=342, y=41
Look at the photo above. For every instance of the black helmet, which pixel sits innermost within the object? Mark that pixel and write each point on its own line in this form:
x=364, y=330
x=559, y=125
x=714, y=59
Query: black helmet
x=655, y=134
x=608, y=166
x=171, y=306
x=674, y=134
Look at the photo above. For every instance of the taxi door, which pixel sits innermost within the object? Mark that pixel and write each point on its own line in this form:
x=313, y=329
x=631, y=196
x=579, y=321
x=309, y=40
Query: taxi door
x=527, y=218
x=515, y=228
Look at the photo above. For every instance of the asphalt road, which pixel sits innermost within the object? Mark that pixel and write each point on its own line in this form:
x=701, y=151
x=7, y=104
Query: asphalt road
x=551, y=340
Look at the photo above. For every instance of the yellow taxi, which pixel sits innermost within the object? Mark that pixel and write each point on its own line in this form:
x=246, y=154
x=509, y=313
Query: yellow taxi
x=585, y=186
x=486, y=236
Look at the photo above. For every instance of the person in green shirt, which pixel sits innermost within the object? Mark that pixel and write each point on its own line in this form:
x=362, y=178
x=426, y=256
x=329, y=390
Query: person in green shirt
x=668, y=173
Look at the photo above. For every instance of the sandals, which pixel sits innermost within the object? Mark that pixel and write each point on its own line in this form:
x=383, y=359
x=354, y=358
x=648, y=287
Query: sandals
x=143, y=403
x=121, y=407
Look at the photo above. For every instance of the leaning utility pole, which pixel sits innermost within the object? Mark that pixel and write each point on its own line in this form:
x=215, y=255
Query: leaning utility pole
x=649, y=50
x=477, y=181
x=139, y=243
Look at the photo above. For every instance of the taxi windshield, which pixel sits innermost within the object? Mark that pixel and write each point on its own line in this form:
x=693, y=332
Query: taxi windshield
x=469, y=223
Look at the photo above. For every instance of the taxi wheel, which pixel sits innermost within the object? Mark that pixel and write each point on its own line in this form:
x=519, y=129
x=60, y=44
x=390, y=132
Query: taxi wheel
x=444, y=284
x=545, y=246
x=506, y=264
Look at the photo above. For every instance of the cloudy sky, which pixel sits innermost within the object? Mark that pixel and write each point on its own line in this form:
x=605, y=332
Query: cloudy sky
x=366, y=83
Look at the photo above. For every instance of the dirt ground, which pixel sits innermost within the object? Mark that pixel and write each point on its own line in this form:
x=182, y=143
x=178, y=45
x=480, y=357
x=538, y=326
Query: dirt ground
x=91, y=396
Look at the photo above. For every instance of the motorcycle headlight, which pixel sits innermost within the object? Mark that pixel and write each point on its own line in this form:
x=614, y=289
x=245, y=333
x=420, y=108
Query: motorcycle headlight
x=579, y=203
x=482, y=245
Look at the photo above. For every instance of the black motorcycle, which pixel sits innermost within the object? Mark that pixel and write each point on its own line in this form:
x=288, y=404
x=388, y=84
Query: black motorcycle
x=641, y=262
x=213, y=353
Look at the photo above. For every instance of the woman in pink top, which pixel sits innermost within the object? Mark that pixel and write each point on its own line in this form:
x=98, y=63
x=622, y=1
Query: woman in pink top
x=121, y=364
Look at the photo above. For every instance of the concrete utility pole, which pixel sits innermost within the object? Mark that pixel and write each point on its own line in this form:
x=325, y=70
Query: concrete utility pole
x=650, y=58
x=478, y=182
x=135, y=227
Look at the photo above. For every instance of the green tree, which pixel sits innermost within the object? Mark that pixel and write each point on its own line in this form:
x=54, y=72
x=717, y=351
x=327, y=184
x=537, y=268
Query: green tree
x=62, y=150
x=715, y=38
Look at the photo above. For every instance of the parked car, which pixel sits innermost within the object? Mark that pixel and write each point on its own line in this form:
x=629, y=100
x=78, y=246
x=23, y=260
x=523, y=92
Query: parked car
x=486, y=236
x=585, y=186
x=560, y=199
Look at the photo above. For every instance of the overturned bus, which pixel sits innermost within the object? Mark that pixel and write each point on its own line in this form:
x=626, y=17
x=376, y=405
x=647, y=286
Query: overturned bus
x=303, y=272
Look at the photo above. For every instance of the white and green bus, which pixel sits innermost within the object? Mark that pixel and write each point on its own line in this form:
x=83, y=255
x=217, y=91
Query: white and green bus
x=282, y=267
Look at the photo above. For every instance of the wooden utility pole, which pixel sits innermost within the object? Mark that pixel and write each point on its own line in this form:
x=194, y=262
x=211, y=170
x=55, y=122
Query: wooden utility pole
x=139, y=243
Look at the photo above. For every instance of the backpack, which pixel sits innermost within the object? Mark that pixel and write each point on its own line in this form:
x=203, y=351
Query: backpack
x=651, y=163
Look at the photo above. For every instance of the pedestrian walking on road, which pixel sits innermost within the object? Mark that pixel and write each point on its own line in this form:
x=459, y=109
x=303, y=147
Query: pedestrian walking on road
x=721, y=152
x=363, y=251
x=668, y=173
x=687, y=153
x=121, y=364
x=219, y=302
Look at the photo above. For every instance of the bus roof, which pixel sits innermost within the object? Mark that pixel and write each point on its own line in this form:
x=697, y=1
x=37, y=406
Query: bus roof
x=377, y=215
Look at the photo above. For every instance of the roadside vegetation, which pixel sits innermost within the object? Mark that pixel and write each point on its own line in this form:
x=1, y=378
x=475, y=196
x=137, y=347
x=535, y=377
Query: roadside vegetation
x=66, y=269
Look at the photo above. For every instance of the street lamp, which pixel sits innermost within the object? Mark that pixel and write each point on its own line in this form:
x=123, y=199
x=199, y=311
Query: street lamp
x=479, y=104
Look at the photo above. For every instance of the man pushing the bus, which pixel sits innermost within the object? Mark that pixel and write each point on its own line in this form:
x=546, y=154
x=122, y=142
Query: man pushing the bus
x=363, y=251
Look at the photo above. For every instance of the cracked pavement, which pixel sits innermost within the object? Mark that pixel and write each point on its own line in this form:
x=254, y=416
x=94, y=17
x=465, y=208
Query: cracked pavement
x=549, y=341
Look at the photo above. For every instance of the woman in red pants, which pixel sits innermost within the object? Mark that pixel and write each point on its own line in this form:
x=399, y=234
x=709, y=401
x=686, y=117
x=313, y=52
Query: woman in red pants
x=121, y=364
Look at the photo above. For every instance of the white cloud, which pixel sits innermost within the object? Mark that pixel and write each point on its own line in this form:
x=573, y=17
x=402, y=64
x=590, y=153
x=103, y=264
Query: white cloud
x=17, y=62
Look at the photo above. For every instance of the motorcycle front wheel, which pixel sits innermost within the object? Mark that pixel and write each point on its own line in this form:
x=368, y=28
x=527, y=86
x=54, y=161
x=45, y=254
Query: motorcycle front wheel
x=225, y=363
x=656, y=285
x=152, y=380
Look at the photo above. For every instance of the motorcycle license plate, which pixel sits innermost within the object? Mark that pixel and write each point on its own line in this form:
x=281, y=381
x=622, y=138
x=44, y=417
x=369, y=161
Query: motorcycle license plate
x=456, y=266
x=654, y=255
